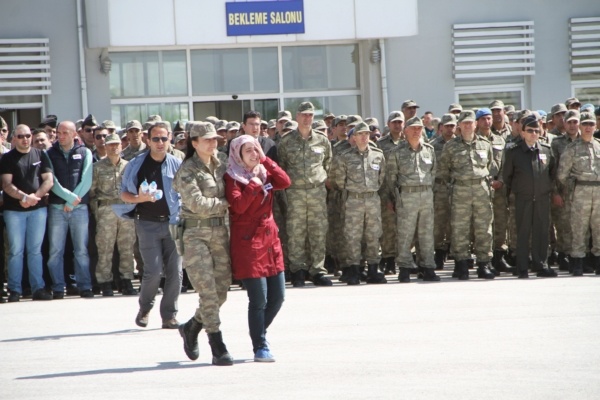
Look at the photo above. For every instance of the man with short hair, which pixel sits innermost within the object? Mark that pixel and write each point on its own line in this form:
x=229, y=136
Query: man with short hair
x=48, y=124
x=409, y=109
x=134, y=134
x=26, y=179
x=499, y=125
x=572, y=103
x=40, y=140
x=100, y=133
x=252, y=126
x=68, y=211
x=88, y=126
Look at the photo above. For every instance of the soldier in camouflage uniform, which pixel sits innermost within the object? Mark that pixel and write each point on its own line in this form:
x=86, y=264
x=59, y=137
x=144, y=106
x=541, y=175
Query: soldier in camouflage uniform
x=357, y=174
x=134, y=134
x=106, y=191
x=305, y=156
x=499, y=125
x=580, y=162
x=466, y=162
x=442, y=231
x=200, y=183
x=389, y=242
x=410, y=177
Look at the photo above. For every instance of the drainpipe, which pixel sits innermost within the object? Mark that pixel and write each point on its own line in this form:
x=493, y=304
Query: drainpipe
x=384, y=86
x=83, y=77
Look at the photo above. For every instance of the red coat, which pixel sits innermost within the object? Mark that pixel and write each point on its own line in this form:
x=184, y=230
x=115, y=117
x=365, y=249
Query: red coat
x=255, y=247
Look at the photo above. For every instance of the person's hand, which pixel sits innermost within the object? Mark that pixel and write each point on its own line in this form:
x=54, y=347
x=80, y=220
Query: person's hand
x=144, y=197
x=24, y=204
x=256, y=180
x=31, y=199
x=558, y=201
x=66, y=208
x=496, y=185
x=77, y=201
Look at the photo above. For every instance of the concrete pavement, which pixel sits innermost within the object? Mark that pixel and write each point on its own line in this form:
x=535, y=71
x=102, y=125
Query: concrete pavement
x=501, y=339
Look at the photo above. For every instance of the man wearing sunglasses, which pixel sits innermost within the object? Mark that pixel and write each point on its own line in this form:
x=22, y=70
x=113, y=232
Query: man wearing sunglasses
x=87, y=131
x=100, y=133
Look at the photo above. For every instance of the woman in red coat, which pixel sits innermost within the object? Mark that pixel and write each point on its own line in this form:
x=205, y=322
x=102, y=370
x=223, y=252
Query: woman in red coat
x=255, y=248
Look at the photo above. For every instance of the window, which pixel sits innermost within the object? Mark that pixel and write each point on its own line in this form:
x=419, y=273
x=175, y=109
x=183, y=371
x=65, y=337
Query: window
x=482, y=96
x=334, y=104
x=168, y=111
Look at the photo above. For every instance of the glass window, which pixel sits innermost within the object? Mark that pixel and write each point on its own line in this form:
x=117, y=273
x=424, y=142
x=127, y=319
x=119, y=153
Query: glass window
x=589, y=94
x=168, y=111
x=320, y=67
x=264, y=69
x=220, y=71
x=479, y=100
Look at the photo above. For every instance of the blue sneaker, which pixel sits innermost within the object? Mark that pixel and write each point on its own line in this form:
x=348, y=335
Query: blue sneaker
x=263, y=355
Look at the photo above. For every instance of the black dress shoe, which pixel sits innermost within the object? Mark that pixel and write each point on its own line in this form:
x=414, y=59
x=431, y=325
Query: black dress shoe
x=523, y=275
x=86, y=294
x=42, y=294
x=13, y=297
x=321, y=280
x=58, y=295
x=546, y=272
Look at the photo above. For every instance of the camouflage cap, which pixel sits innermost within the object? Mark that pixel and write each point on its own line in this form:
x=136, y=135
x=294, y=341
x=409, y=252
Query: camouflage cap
x=265, y=123
x=482, y=112
x=328, y=115
x=396, y=116
x=204, y=130
x=353, y=120
x=178, y=127
x=496, y=105
x=519, y=115
x=572, y=101
x=449, y=119
x=414, y=121
x=572, y=114
x=587, y=116
x=319, y=125
x=133, y=124
x=154, y=118
x=436, y=121
x=466, y=115
x=290, y=125
x=212, y=119
x=284, y=115
x=90, y=120
x=558, y=108
x=221, y=125
x=108, y=124
x=272, y=124
x=454, y=107
x=339, y=119
x=361, y=127
x=233, y=126
x=112, y=138
x=49, y=120
x=180, y=137
x=372, y=121
x=409, y=103
x=509, y=109
x=306, y=107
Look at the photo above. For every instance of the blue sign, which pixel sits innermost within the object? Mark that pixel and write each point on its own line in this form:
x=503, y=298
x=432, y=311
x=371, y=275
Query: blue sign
x=264, y=17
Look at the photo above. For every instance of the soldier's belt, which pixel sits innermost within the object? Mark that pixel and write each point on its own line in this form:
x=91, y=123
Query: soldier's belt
x=307, y=186
x=204, y=223
x=468, y=182
x=414, y=189
x=587, y=183
x=358, y=195
x=151, y=218
x=109, y=202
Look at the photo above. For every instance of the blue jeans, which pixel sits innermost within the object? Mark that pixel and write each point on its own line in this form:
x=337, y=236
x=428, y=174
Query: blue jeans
x=265, y=296
x=25, y=227
x=59, y=223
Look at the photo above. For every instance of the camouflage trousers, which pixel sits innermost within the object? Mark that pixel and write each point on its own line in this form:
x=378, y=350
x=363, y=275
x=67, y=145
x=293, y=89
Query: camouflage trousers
x=585, y=215
x=442, y=230
x=336, y=244
x=109, y=229
x=209, y=270
x=362, y=224
x=388, y=242
x=307, y=229
x=561, y=217
x=501, y=216
x=415, y=216
x=471, y=207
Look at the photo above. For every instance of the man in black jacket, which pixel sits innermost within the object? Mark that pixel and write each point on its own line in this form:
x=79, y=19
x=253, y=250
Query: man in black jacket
x=528, y=172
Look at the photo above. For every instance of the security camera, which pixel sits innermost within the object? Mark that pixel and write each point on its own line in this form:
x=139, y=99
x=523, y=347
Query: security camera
x=234, y=96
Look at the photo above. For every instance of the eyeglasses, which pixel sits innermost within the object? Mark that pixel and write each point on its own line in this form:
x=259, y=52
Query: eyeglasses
x=88, y=130
x=588, y=123
x=98, y=137
x=25, y=136
x=157, y=139
x=536, y=131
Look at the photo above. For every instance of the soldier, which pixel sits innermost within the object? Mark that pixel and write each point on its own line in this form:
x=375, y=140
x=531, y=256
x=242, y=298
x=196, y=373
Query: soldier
x=305, y=155
x=455, y=109
x=339, y=129
x=528, y=172
x=499, y=125
x=282, y=117
x=134, y=134
x=409, y=109
x=441, y=195
x=358, y=173
x=484, y=118
x=100, y=133
x=466, y=162
x=205, y=238
x=87, y=131
x=48, y=124
x=572, y=103
x=409, y=180
x=557, y=114
x=580, y=162
x=597, y=113
x=389, y=242
x=105, y=191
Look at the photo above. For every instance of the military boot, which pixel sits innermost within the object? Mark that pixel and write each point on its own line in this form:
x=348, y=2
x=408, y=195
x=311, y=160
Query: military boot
x=462, y=269
x=510, y=257
x=189, y=332
x=390, y=266
x=219, y=351
x=588, y=264
x=375, y=275
x=362, y=273
x=352, y=275
x=596, y=261
x=329, y=264
x=298, y=278
x=107, y=290
x=439, y=258
x=404, y=275
x=499, y=263
x=127, y=288
x=429, y=275
x=455, y=273
x=577, y=265
x=563, y=262
x=553, y=258
x=483, y=270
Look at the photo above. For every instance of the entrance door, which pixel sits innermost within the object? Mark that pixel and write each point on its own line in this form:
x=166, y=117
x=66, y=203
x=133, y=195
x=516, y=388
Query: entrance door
x=233, y=110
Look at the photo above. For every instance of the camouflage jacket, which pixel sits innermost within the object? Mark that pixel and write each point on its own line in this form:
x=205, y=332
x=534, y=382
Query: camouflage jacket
x=461, y=160
x=498, y=145
x=438, y=144
x=129, y=152
x=408, y=167
x=358, y=172
x=106, y=179
x=386, y=144
x=580, y=161
x=307, y=161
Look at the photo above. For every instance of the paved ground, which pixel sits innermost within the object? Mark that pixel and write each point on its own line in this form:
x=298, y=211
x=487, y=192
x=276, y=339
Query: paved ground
x=504, y=339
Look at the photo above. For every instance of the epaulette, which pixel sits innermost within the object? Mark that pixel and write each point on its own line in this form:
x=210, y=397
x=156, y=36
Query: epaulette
x=545, y=144
x=338, y=143
x=483, y=138
x=510, y=145
x=374, y=147
x=427, y=144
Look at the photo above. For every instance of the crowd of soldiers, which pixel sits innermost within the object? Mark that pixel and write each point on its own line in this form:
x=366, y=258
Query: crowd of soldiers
x=366, y=200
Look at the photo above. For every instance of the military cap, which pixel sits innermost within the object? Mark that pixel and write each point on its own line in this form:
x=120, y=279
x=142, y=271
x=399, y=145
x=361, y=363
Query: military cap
x=112, y=138
x=89, y=121
x=353, y=120
x=572, y=101
x=178, y=127
x=436, y=121
x=509, y=109
x=519, y=115
x=233, y=126
x=339, y=119
x=221, y=125
x=133, y=124
x=108, y=124
x=350, y=133
x=414, y=121
x=597, y=111
x=396, y=116
x=587, y=107
x=204, y=130
x=572, y=114
x=306, y=107
x=529, y=120
x=272, y=124
x=409, y=103
x=180, y=137
x=454, y=107
x=558, y=108
x=284, y=115
x=265, y=123
x=78, y=124
x=319, y=125
x=290, y=125
x=212, y=119
x=496, y=104
x=466, y=115
x=372, y=121
x=154, y=118
x=587, y=116
x=361, y=127
x=49, y=120
x=448, y=119
x=328, y=115
x=3, y=123
x=123, y=133
x=482, y=112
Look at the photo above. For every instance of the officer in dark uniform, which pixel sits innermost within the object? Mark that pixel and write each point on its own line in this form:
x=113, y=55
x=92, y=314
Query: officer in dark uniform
x=528, y=172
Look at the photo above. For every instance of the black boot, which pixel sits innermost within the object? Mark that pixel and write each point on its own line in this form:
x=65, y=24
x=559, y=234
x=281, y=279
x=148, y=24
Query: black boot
x=298, y=278
x=321, y=280
x=510, y=258
x=352, y=275
x=546, y=272
x=462, y=269
x=483, y=270
x=429, y=275
x=329, y=264
x=219, y=351
x=404, y=275
x=189, y=332
x=362, y=273
x=390, y=266
x=439, y=258
x=596, y=262
x=577, y=265
x=127, y=288
x=588, y=264
x=107, y=290
x=455, y=273
x=375, y=275
x=563, y=262
x=499, y=263
x=553, y=258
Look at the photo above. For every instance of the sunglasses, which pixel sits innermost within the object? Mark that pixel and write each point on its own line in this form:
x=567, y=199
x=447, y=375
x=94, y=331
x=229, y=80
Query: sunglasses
x=588, y=123
x=25, y=136
x=536, y=131
x=88, y=130
x=157, y=139
x=98, y=137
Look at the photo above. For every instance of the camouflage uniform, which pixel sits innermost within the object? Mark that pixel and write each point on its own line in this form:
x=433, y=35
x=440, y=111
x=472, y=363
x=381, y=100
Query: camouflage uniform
x=205, y=236
x=129, y=152
x=504, y=133
x=106, y=191
x=307, y=163
x=442, y=232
